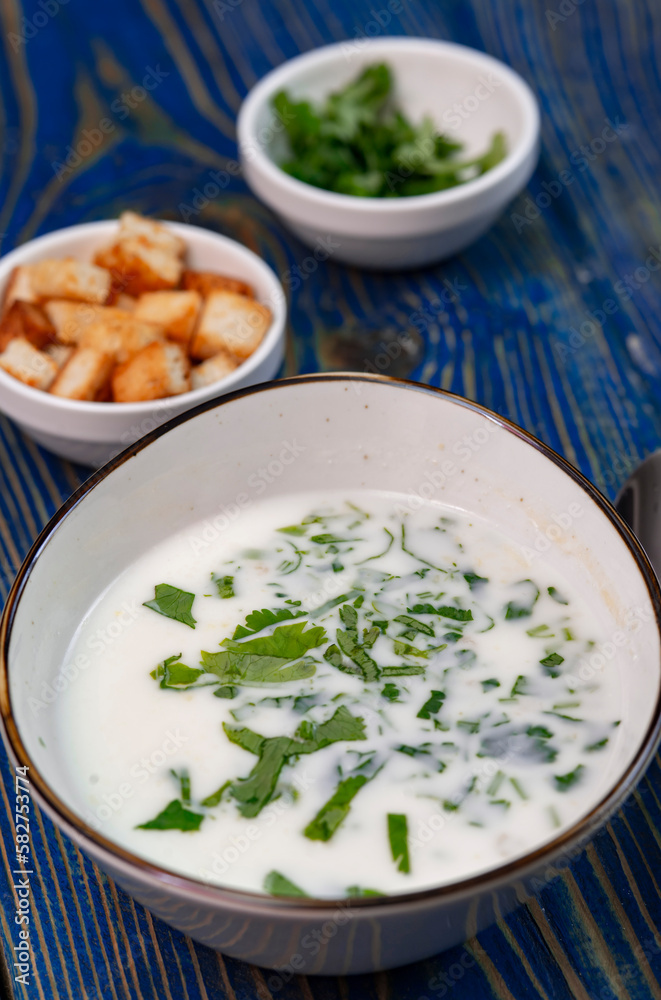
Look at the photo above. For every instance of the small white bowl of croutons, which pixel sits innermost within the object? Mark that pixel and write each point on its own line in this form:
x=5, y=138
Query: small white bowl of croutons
x=108, y=329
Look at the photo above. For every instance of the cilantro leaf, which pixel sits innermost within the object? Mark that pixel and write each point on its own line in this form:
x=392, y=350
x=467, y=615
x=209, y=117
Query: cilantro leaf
x=333, y=812
x=279, y=885
x=174, y=817
x=252, y=793
x=268, y=658
x=173, y=603
x=257, y=621
x=473, y=580
x=398, y=837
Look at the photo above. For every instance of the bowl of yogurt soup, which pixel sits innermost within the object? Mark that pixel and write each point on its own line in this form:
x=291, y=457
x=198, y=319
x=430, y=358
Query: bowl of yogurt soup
x=332, y=672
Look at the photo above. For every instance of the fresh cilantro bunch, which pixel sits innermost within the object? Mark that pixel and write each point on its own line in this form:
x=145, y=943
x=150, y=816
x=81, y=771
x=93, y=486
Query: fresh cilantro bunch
x=359, y=143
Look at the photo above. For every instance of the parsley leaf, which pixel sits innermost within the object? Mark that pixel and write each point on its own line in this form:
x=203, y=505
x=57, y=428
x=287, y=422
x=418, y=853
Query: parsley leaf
x=173, y=603
x=176, y=675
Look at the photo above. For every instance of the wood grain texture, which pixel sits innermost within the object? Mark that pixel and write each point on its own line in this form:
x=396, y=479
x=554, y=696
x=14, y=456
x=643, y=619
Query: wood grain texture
x=517, y=322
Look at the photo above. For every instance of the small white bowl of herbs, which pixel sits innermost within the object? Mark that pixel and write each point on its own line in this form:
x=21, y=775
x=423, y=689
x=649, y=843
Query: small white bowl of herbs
x=389, y=153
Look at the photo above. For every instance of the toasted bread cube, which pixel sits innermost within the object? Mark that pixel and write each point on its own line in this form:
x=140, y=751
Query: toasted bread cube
x=70, y=319
x=27, y=320
x=27, y=364
x=206, y=282
x=137, y=267
x=19, y=286
x=231, y=323
x=120, y=335
x=84, y=374
x=213, y=369
x=125, y=302
x=175, y=312
x=69, y=279
x=60, y=353
x=132, y=225
x=161, y=369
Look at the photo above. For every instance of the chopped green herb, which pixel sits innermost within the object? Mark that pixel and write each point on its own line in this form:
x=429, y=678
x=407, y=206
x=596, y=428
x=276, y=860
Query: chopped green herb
x=176, y=675
x=519, y=686
x=215, y=798
x=495, y=783
x=563, y=782
x=516, y=785
x=398, y=837
x=540, y=631
x=552, y=661
x=173, y=603
x=279, y=885
x=473, y=580
x=414, y=625
x=405, y=670
x=391, y=692
x=490, y=683
x=226, y=691
x=294, y=529
x=470, y=725
x=329, y=817
x=359, y=142
x=522, y=606
x=252, y=793
x=379, y=554
x=599, y=745
x=224, y=584
x=433, y=705
x=256, y=621
x=268, y=658
x=183, y=777
x=557, y=596
x=174, y=817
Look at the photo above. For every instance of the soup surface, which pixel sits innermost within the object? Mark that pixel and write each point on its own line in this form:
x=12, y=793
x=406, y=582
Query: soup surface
x=338, y=696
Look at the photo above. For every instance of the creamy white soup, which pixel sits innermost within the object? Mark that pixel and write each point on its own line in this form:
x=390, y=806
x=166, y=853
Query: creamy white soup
x=338, y=696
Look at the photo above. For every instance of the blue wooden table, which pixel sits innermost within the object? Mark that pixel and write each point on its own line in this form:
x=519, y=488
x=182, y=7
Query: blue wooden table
x=552, y=320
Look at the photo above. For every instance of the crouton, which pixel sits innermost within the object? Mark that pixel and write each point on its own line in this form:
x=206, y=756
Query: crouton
x=125, y=302
x=71, y=318
x=213, y=369
x=27, y=364
x=60, y=353
x=138, y=267
x=69, y=279
x=120, y=335
x=175, y=312
x=84, y=375
x=155, y=234
x=27, y=320
x=231, y=323
x=206, y=282
x=18, y=287
x=161, y=369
